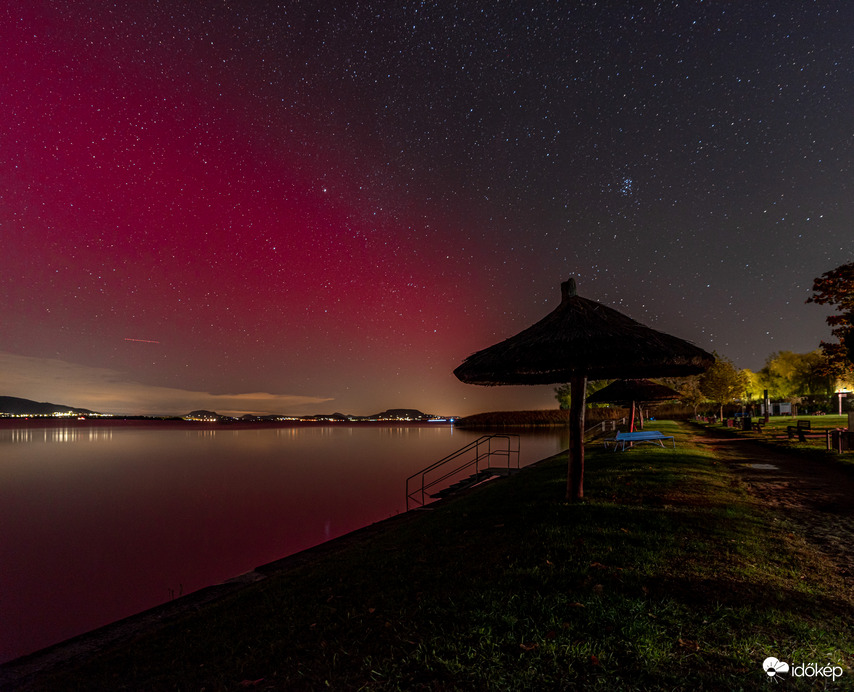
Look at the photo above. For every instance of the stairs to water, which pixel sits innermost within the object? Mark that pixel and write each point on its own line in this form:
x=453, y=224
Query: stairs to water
x=475, y=479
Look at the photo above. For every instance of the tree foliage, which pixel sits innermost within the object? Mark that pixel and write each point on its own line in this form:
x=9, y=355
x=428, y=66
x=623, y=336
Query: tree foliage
x=836, y=288
x=563, y=397
x=789, y=376
x=753, y=385
x=723, y=382
x=562, y=393
x=689, y=390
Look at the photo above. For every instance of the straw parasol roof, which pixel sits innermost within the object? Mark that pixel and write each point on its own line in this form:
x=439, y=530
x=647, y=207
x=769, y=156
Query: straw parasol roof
x=583, y=338
x=628, y=391
x=634, y=392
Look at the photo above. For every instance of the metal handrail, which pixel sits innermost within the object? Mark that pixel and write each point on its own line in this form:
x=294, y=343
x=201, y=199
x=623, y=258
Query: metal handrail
x=604, y=426
x=418, y=493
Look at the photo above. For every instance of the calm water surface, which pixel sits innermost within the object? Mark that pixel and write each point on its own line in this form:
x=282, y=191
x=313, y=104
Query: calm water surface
x=100, y=521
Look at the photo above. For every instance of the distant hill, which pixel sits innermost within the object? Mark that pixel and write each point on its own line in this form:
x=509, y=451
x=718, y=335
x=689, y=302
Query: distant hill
x=25, y=407
x=401, y=414
x=203, y=414
x=333, y=416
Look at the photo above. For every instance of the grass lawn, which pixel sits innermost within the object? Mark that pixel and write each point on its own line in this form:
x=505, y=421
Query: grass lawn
x=778, y=424
x=775, y=432
x=668, y=577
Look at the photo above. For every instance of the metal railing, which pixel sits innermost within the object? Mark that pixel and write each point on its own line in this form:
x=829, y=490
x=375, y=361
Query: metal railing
x=484, y=448
x=603, y=427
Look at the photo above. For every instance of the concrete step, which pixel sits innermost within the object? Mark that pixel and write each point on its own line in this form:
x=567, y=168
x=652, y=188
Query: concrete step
x=475, y=479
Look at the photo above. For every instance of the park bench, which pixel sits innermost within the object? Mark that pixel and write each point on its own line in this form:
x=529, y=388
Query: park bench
x=834, y=438
x=624, y=439
x=802, y=427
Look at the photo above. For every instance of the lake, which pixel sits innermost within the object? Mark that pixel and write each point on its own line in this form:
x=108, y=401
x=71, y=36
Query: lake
x=100, y=520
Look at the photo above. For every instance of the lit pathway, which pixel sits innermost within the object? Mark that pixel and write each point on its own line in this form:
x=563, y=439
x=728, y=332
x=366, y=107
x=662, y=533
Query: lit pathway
x=816, y=497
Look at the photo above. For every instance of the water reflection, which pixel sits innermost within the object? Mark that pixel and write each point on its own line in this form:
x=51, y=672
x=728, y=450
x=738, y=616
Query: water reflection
x=100, y=522
x=60, y=434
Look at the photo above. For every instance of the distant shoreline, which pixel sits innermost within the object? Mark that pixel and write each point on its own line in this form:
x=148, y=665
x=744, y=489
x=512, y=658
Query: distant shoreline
x=62, y=422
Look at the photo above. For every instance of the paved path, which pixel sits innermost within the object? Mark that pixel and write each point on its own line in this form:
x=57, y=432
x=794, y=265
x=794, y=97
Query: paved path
x=816, y=496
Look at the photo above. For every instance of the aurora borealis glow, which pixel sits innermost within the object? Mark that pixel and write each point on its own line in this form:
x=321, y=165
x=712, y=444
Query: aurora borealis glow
x=333, y=204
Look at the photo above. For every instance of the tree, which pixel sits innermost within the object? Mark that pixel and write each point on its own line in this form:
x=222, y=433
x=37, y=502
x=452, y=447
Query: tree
x=753, y=387
x=836, y=288
x=689, y=391
x=814, y=374
x=723, y=382
x=688, y=388
x=779, y=375
x=562, y=393
x=789, y=375
x=562, y=396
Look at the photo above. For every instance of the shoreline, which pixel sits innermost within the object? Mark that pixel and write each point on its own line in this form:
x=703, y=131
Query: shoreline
x=58, y=422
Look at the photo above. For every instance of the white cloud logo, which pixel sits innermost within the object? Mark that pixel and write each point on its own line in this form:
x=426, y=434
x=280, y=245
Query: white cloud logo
x=773, y=666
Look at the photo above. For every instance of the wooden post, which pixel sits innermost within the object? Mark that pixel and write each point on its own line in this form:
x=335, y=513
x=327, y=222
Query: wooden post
x=575, y=470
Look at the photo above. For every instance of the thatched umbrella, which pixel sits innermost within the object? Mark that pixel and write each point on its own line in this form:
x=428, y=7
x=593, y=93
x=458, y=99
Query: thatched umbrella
x=632, y=392
x=582, y=339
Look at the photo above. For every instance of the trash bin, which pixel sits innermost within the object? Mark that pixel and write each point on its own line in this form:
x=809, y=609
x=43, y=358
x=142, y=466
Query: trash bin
x=746, y=423
x=840, y=440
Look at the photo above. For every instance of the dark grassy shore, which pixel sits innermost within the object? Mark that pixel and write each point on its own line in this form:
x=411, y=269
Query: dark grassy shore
x=668, y=577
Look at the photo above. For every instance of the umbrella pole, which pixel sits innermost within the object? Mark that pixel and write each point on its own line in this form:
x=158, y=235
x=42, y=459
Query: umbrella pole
x=632, y=423
x=575, y=470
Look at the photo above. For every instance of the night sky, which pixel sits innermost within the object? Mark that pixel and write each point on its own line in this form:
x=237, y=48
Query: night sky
x=326, y=206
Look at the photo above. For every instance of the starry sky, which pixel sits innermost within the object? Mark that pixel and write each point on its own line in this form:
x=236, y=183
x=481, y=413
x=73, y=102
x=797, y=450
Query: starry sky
x=317, y=206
